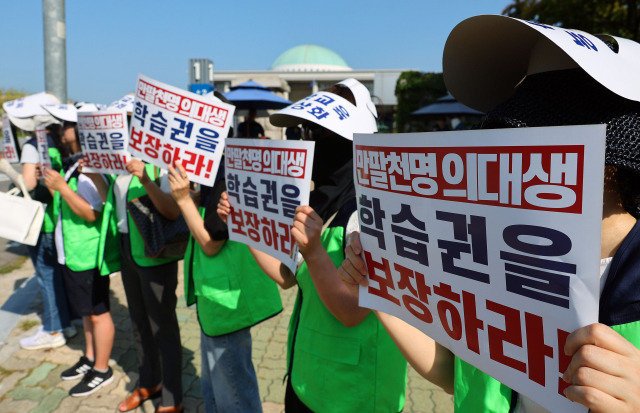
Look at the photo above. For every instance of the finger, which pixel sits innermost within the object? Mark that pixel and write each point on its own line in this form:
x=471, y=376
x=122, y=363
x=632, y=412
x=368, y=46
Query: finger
x=596, y=400
x=613, y=386
x=356, y=260
x=590, y=359
x=180, y=168
x=353, y=274
x=354, y=242
x=598, y=335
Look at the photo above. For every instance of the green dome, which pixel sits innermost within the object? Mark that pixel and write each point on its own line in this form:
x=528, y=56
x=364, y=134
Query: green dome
x=309, y=57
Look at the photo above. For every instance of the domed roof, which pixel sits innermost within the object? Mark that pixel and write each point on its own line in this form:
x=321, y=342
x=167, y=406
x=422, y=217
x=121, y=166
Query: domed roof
x=309, y=58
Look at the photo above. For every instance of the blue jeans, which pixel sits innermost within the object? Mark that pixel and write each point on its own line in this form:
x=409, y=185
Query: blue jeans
x=43, y=255
x=229, y=382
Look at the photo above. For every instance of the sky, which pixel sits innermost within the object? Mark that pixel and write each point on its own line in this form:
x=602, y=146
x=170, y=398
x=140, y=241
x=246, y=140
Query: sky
x=110, y=42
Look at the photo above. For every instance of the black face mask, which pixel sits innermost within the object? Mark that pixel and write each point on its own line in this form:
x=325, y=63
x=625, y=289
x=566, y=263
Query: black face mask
x=332, y=175
x=572, y=97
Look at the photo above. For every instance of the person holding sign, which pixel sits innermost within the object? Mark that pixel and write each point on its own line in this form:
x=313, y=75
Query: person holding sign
x=55, y=316
x=77, y=237
x=149, y=284
x=526, y=74
x=333, y=343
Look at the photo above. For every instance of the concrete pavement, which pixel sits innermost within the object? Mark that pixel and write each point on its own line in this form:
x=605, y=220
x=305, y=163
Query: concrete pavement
x=30, y=380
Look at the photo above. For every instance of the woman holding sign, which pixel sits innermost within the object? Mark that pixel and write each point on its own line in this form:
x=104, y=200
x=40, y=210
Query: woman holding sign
x=333, y=343
x=546, y=76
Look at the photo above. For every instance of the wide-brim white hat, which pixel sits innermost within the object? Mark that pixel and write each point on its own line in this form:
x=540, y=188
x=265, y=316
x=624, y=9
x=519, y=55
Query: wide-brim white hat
x=486, y=57
x=333, y=112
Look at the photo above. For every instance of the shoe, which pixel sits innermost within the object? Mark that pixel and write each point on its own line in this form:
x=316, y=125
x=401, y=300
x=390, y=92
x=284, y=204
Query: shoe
x=42, y=339
x=138, y=396
x=78, y=370
x=169, y=409
x=91, y=382
x=70, y=332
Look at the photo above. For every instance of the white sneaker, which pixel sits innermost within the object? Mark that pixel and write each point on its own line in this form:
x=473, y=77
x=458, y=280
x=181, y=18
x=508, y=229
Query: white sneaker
x=42, y=339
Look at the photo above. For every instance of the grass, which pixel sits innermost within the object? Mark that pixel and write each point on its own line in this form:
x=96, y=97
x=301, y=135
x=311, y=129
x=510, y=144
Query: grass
x=28, y=324
x=17, y=263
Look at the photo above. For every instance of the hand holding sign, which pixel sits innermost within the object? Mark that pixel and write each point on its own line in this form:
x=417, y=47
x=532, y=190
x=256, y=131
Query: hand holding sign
x=224, y=207
x=353, y=271
x=180, y=184
x=604, y=370
x=307, y=227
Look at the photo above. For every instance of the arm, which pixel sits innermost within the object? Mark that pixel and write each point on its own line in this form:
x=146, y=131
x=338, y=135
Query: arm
x=80, y=207
x=335, y=295
x=431, y=360
x=182, y=194
x=269, y=265
x=30, y=172
x=161, y=200
x=604, y=371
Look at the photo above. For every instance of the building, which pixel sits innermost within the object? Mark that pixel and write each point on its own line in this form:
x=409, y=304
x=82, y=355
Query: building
x=305, y=69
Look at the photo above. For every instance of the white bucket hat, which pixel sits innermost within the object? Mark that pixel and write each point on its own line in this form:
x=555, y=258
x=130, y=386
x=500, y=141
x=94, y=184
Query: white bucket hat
x=333, y=112
x=27, y=112
x=486, y=57
x=126, y=103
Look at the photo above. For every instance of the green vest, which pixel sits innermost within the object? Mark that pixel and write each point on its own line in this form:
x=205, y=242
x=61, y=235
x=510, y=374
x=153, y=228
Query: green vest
x=334, y=368
x=109, y=251
x=475, y=391
x=136, y=190
x=109, y=248
x=231, y=290
x=51, y=213
x=80, y=238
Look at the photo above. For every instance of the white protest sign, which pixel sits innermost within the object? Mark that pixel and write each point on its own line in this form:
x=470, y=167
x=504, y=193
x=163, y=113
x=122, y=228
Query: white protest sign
x=43, y=149
x=103, y=137
x=170, y=124
x=9, y=150
x=489, y=242
x=266, y=181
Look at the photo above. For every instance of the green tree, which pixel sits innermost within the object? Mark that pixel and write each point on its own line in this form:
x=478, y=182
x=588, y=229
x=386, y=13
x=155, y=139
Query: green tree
x=414, y=90
x=10, y=94
x=617, y=18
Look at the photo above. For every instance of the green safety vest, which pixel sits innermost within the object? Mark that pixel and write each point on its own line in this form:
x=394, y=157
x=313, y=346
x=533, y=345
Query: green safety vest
x=334, y=368
x=109, y=251
x=80, y=238
x=51, y=213
x=230, y=289
x=475, y=391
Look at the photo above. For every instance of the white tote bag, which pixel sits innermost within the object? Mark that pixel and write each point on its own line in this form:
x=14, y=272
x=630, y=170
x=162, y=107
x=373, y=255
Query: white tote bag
x=20, y=218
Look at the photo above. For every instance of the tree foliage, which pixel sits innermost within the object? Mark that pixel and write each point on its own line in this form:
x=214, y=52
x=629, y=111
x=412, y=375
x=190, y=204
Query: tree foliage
x=617, y=18
x=10, y=94
x=414, y=90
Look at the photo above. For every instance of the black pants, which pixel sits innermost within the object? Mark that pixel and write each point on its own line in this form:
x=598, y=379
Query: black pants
x=151, y=296
x=292, y=404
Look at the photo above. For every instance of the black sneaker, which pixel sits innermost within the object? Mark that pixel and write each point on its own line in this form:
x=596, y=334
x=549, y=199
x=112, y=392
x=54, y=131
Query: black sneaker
x=77, y=370
x=91, y=382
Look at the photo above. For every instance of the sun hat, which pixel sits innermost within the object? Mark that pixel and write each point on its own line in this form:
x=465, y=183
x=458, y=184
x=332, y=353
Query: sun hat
x=486, y=57
x=27, y=112
x=333, y=112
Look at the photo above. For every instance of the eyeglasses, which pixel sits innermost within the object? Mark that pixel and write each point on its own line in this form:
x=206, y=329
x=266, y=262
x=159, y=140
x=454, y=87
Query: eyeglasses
x=312, y=131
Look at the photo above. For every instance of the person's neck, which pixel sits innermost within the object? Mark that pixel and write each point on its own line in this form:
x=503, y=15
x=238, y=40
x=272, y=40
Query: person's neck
x=616, y=224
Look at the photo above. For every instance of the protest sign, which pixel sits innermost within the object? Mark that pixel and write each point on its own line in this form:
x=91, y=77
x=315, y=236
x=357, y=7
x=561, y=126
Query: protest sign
x=488, y=242
x=43, y=149
x=9, y=151
x=266, y=181
x=170, y=124
x=103, y=137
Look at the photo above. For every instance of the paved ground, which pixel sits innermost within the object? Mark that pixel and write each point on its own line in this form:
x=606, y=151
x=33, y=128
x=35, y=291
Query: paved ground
x=30, y=380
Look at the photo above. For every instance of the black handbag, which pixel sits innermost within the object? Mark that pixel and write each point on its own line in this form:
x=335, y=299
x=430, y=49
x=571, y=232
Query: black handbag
x=163, y=238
